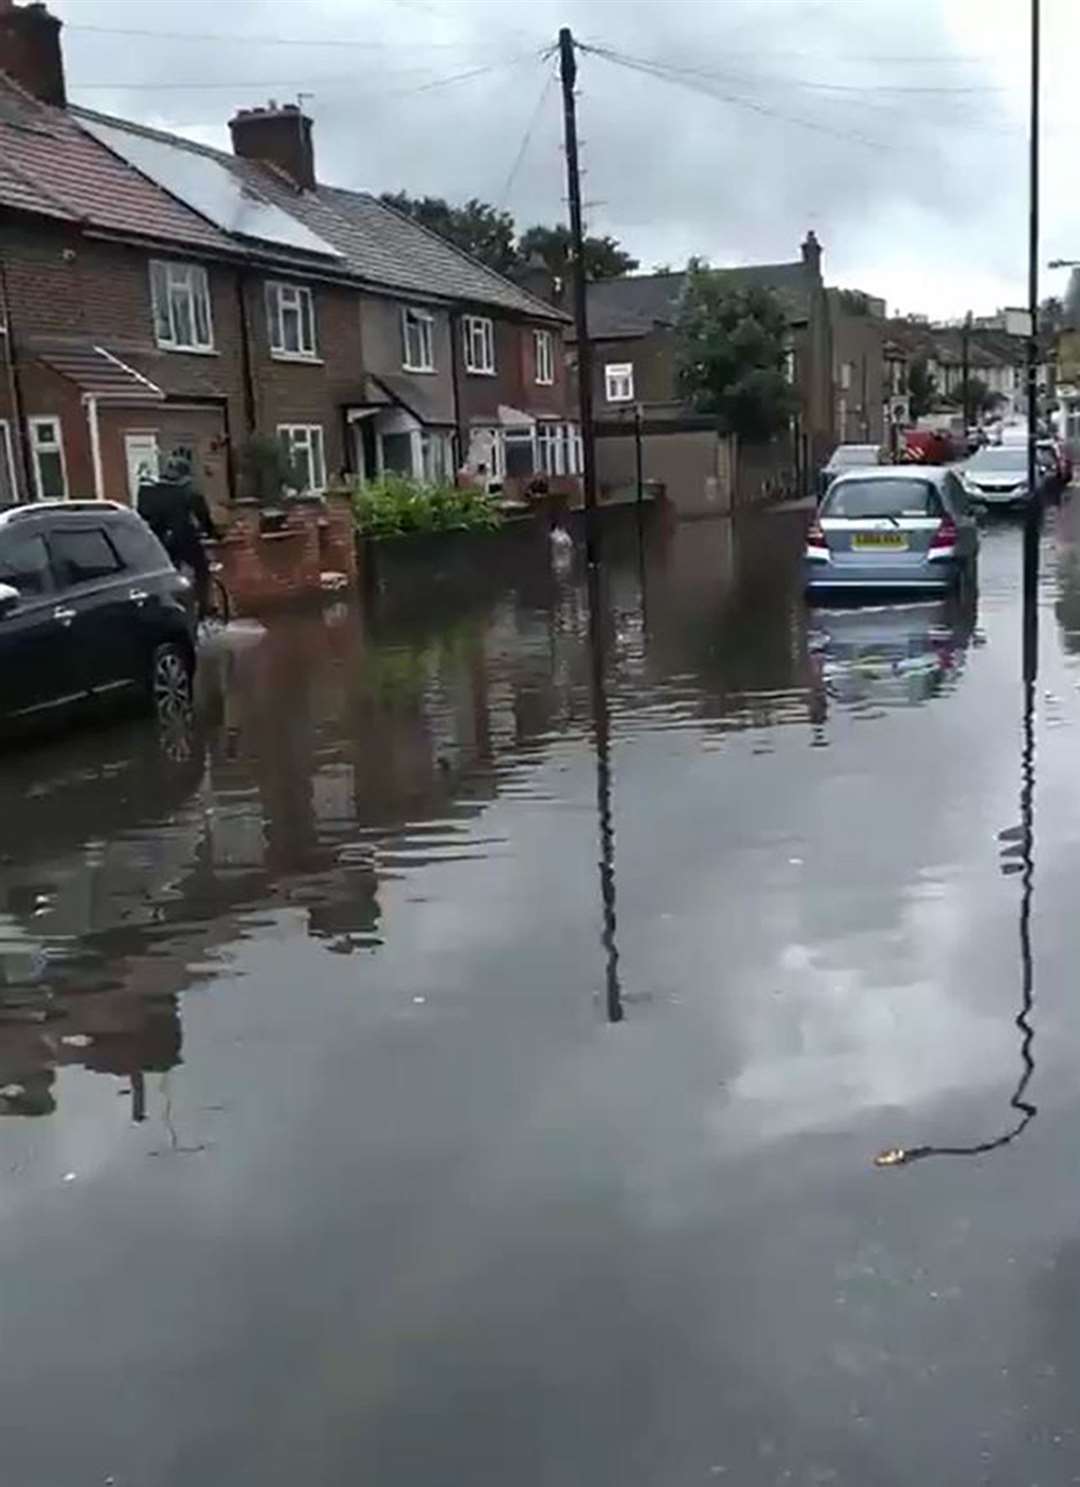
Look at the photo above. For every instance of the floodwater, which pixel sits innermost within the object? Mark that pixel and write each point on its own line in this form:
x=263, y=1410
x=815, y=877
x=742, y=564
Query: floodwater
x=457, y=1063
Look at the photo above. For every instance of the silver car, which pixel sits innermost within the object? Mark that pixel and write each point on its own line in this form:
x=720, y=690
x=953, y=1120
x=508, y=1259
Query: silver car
x=997, y=475
x=895, y=527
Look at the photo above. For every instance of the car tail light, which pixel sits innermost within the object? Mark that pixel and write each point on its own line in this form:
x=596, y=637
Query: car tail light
x=945, y=536
x=815, y=533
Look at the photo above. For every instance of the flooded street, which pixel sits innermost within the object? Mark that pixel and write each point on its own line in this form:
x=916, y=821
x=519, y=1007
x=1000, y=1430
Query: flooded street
x=458, y=1064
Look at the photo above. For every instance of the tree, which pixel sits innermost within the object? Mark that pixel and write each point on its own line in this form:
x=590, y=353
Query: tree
x=731, y=348
x=975, y=396
x=604, y=259
x=922, y=387
x=476, y=227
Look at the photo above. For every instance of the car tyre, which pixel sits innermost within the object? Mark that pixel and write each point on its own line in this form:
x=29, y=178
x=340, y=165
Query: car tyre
x=170, y=682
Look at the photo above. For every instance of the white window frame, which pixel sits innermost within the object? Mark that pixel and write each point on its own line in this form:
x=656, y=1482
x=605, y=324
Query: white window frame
x=544, y=357
x=56, y=446
x=619, y=381
x=309, y=437
x=424, y=323
x=293, y=300
x=175, y=279
x=7, y=457
x=478, y=345
x=558, y=449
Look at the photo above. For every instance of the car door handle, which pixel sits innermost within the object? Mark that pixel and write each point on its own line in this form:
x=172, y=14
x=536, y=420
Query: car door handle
x=63, y=615
x=138, y=596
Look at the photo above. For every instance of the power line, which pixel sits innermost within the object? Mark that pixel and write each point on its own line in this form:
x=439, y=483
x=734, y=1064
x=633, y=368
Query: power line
x=336, y=44
x=534, y=119
x=294, y=84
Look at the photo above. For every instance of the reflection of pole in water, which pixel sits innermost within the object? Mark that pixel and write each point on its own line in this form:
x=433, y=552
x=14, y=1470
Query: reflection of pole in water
x=1019, y=844
x=602, y=744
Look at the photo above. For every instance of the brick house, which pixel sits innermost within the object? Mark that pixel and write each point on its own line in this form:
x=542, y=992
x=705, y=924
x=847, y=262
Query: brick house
x=158, y=295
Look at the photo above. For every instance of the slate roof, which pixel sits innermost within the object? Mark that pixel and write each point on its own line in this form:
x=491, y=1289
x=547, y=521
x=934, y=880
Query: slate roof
x=379, y=245
x=633, y=305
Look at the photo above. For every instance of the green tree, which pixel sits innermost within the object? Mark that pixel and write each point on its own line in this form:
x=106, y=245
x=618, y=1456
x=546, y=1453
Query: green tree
x=476, y=227
x=604, y=259
x=922, y=387
x=975, y=395
x=731, y=356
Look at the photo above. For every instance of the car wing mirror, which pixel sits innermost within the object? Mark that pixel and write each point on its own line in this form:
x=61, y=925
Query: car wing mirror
x=10, y=599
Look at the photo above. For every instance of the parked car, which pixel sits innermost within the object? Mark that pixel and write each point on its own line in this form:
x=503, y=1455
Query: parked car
x=997, y=475
x=849, y=457
x=930, y=447
x=91, y=611
x=897, y=527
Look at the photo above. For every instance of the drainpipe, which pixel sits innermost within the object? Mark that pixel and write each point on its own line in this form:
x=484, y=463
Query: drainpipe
x=18, y=411
x=91, y=404
x=460, y=429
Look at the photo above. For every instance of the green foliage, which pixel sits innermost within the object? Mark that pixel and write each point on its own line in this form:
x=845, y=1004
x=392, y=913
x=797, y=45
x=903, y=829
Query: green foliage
x=490, y=235
x=267, y=470
x=394, y=505
x=853, y=302
x=731, y=356
x=922, y=388
x=975, y=395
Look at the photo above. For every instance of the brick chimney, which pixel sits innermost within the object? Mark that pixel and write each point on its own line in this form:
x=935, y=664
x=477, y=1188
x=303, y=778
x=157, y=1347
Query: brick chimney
x=811, y=253
x=30, y=50
x=277, y=135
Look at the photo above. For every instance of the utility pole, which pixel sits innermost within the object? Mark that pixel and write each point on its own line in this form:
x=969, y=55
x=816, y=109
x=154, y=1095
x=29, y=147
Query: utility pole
x=568, y=75
x=965, y=371
x=1033, y=511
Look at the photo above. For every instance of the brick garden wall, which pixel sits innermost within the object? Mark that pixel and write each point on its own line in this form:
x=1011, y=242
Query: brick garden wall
x=269, y=570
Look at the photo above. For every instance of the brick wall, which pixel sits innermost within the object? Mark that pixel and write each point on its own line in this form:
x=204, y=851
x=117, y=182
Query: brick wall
x=268, y=570
x=514, y=382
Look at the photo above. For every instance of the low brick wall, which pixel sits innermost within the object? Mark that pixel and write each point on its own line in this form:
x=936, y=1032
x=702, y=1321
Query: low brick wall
x=268, y=569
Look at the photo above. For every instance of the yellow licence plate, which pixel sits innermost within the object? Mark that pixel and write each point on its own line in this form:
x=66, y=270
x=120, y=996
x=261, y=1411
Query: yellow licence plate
x=893, y=541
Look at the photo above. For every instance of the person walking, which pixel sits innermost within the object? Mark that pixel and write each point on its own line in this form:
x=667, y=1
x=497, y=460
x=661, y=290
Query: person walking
x=177, y=513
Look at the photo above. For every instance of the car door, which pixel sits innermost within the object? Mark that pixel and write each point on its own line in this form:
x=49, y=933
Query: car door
x=35, y=674
x=967, y=528
x=93, y=586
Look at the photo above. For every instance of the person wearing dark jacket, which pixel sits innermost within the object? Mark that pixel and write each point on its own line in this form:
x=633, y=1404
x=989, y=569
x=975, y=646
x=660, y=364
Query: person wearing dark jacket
x=177, y=513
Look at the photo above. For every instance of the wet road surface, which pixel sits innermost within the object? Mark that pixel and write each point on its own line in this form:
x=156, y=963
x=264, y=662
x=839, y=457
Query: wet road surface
x=392, y=1095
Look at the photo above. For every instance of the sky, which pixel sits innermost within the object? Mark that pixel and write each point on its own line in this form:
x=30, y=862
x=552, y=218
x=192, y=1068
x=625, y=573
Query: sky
x=724, y=129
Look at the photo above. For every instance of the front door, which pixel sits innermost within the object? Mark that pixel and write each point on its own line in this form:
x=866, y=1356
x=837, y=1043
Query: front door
x=142, y=459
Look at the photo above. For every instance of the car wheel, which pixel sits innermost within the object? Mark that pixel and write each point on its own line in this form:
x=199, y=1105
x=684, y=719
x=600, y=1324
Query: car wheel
x=170, y=681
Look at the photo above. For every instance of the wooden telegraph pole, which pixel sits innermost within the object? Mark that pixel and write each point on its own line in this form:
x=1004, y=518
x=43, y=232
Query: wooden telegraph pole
x=568, y=74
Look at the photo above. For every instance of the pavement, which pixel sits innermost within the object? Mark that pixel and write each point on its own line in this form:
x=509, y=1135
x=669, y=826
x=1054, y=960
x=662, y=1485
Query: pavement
x=455, y=1063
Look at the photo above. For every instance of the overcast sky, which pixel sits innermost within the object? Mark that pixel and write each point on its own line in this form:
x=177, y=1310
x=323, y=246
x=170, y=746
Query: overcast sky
x=895, y=128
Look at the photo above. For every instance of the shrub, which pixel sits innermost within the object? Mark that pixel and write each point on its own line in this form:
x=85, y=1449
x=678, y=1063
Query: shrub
x=395, y=504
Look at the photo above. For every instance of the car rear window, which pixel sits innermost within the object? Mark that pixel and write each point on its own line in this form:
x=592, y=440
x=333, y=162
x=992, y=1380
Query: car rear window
x=855, y=498
x=24, y=562
x=81, y=554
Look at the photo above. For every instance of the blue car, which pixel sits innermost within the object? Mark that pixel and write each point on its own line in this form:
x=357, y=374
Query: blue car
x=895, y=527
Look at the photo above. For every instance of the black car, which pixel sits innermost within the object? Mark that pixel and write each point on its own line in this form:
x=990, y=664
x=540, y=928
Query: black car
x=91, y=611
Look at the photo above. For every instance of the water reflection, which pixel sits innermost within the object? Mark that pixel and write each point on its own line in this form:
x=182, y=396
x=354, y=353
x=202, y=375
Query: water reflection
x=895, y=655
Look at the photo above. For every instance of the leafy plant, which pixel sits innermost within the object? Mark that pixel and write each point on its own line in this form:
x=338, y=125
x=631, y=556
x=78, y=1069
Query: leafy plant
x=922, y=387
x=732, y=354
x=267, y=470
x=394, y=505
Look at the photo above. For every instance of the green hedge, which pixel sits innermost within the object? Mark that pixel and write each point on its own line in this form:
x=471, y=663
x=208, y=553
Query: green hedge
x=394, y=505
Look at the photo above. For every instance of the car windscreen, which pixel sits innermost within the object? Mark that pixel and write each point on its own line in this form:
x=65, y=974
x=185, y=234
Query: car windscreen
x=900, y=497
x=1004, y=457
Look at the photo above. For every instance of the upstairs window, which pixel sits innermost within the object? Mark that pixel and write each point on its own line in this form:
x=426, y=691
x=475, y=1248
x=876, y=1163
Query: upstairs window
x=180, y=294
x=478, y=334
x=544, y=349
x=290, y=319
x=619, y=382
x=418, y=340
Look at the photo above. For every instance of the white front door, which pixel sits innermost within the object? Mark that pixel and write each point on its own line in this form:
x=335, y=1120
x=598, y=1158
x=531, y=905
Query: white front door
x=141, y=454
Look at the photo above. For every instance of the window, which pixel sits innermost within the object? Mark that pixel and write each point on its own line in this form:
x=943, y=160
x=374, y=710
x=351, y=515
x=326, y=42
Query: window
x=181, y=300
x=545, y=357
x=47, y=448
x=478, y=336
x=290, y=320
x=24, y=562
x=417, y=334
x=138, y=547
x=846, y=370
x=559, y=448
x=434, y=457
x=619, y=382
x=8, y=489
x=304, y=442
x=82, y=554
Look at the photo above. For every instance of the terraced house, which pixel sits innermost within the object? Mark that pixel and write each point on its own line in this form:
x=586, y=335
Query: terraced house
x=157, y=295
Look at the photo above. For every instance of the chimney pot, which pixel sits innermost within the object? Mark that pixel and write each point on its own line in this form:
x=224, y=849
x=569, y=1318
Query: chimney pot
x=276, y=136
x=30, y=50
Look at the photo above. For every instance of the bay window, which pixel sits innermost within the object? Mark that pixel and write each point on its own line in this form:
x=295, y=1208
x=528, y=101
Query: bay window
x=304, y=442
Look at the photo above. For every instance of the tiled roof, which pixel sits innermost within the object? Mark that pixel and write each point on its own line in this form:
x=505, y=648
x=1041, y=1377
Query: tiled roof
x=380, y=246
x=96, y=370
x=633, y=305
x=52, y=166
